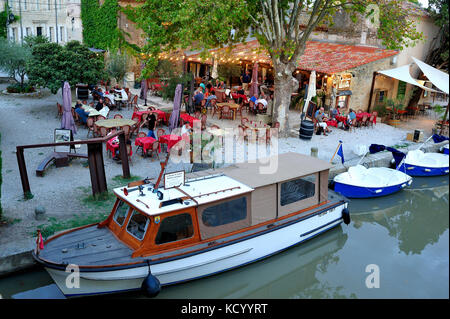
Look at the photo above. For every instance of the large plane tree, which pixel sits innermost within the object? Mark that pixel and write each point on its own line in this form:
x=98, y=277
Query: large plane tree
x=207, y=24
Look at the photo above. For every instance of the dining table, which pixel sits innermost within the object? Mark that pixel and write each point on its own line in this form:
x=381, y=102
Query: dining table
x=115, y=123
x=161, y=115
x=92, y=111
x=146, y=143
x=188, y=118
x=170, y=140
x=258, y=129
x=112, y=145
x=233, y=106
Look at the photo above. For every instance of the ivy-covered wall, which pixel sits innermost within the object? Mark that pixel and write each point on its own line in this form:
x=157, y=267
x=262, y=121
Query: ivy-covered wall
x=100, y=28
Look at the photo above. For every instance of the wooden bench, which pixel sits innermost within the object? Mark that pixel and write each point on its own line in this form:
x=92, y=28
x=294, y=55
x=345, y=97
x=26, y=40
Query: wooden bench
x=61, y=160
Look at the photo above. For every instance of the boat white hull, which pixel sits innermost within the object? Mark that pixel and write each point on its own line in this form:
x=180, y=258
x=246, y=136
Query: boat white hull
x=199, y=265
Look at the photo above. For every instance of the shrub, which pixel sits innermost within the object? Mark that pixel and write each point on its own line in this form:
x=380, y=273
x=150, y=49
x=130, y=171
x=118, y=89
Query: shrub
x=17, y=88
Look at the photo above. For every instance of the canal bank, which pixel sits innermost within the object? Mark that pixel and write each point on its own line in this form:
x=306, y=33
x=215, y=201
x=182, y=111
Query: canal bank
x=16, y=256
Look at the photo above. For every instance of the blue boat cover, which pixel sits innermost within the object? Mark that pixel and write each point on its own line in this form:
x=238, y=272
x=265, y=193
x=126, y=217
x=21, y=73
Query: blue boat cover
x=398, y=156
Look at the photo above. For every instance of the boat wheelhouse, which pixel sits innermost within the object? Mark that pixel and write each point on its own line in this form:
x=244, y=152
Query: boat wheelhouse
x=216, y=220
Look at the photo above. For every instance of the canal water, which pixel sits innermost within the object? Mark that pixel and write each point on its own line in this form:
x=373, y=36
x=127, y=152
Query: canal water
x=395, y=247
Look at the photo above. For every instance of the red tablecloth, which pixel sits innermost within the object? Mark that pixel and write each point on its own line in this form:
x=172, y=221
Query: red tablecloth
x=112, y=145
x=161, y=114
x=341, y=118
x=188, y=118
x=236, y=96
x=359, y=116
x=170, y=140
x=146, y=143
x=332, y=123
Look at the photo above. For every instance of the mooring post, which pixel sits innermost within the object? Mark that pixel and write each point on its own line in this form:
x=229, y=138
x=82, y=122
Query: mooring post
x=23, y=172
x=97, y=168
x=124, y=156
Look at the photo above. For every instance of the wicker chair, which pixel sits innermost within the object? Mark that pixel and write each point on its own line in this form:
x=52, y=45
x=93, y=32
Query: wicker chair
x=226, y=113
x=90, y=126
x=155, y=148
x=60, y=109
x=118, y=116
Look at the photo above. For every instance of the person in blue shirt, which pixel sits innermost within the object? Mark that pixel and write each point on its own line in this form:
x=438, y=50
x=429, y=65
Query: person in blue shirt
x=81, y=113
x=198, y=98
x=351, y=116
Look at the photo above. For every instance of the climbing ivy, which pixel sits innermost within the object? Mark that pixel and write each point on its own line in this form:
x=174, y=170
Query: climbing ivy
x=100, y=28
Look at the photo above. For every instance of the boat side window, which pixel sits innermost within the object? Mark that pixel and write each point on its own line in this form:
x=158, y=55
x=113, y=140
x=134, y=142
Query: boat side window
x=175, y=228
x=225, y=213
x=137, y=225
x=297, y=190
x=121, y=213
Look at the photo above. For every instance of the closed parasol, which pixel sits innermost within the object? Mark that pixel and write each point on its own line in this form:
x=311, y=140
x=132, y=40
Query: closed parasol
x=67, y=121
x=173, y=121
x=254, y=87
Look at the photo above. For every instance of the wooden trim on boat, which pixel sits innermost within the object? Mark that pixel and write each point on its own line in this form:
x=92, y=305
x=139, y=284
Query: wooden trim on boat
x=88, y=268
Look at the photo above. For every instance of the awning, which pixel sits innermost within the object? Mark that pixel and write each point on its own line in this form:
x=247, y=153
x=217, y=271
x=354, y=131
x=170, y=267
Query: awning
x=322, y=57
x=402, y=73
x=438, y=78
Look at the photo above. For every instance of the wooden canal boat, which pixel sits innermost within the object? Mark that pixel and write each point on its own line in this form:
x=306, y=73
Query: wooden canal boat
x=215, y=221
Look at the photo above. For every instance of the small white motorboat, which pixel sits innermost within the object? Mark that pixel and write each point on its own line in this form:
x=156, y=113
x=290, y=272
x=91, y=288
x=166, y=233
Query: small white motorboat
x=418, y=163
x=362, y=182
x=445, y=149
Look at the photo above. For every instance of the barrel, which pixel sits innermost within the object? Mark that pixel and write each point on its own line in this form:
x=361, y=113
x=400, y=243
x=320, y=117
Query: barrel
x=306, y=130
x=82, y=92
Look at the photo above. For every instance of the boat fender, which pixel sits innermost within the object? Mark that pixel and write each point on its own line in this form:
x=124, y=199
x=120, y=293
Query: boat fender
x=346, y=216
x=151, y=285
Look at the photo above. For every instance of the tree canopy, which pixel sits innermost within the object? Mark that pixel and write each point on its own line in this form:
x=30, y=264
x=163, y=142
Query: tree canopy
x=52, y=63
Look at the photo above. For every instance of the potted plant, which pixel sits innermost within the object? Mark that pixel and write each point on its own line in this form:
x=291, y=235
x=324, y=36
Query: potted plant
x=394, y=105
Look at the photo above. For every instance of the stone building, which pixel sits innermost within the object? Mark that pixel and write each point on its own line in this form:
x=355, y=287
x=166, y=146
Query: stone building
x=58, y=20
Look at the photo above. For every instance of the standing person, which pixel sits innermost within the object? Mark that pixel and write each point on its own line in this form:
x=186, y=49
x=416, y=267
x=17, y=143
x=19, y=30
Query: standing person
x=151, y=125
x=246, y=79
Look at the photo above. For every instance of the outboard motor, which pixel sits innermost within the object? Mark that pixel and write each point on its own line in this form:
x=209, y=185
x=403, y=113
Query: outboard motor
x=151, y=285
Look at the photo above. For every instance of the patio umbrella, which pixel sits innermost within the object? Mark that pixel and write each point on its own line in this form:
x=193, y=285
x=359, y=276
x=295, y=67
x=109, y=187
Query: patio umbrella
x=254, y=88
x=67, y=121
x=173, y=121
x=214, y=73
x=144, y=88
x=311, y=90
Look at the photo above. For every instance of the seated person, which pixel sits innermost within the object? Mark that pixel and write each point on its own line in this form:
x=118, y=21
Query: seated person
x=252, y=101
x=99, y=105
x=351, y=117
x=321, y=121
x=261, y=106
x=82, y=114
x=209, y=98
x=334, y=112
x=117, y=153
x=198, y=97
x=185, y=131
x=222, y=85
x=78, y=104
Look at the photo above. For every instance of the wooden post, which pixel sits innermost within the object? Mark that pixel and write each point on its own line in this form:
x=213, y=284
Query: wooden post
x=96, y=168
x=371, y=91
x=23, y=172
x=124, y=156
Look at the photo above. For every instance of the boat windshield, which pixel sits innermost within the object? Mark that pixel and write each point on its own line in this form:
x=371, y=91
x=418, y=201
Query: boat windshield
x=137, y=225
x=121, y=212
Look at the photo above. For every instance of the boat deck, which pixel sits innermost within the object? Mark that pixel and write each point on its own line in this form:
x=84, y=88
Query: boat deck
x=88, y=246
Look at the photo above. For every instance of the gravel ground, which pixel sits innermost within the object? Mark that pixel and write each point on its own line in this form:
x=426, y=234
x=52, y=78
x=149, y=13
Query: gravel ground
x=61, y=191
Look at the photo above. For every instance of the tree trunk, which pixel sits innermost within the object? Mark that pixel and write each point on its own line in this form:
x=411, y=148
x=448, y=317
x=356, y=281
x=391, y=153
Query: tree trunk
x=284, y=84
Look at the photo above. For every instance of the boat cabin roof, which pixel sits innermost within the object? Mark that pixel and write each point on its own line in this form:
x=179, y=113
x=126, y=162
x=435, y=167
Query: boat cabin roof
x=197, y=191
x=286, y=166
